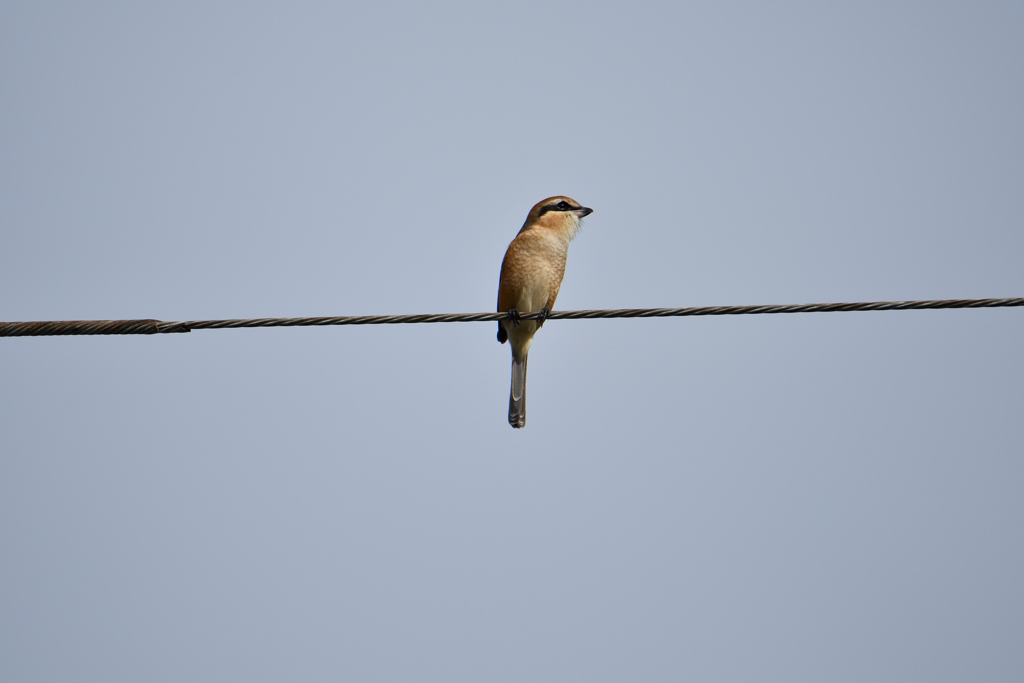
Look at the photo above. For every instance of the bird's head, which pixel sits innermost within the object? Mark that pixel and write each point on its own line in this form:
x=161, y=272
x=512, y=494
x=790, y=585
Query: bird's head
x=558, y=214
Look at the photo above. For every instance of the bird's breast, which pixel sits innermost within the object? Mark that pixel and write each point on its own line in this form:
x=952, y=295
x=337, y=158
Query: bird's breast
x=532, y=270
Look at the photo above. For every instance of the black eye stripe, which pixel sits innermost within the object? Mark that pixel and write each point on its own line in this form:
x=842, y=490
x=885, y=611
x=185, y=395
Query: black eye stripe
x=560, y=206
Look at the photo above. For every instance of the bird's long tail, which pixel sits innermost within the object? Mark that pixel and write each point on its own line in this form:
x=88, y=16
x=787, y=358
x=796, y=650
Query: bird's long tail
x=517, y=396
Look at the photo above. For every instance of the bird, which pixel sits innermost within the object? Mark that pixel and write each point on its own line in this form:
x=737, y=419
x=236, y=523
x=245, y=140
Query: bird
x=531, y=275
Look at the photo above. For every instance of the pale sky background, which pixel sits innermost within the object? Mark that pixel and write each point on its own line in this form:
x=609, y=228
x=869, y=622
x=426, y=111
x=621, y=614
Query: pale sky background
x=830, y=497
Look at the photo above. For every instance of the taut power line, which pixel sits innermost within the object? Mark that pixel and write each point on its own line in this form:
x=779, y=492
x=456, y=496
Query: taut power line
x=149, y=326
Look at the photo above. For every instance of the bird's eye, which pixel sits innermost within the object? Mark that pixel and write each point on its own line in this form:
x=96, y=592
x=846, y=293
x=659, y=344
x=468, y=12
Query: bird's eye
x=562, y=206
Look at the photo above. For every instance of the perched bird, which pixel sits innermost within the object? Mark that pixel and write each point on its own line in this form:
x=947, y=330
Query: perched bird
x=531, y=275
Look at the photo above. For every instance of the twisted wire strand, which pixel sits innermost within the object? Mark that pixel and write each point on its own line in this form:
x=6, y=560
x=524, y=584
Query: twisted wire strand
x=150, y=326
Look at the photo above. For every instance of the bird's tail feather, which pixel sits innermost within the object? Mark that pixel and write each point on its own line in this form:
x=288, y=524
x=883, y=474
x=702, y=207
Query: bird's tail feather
x=517, y=395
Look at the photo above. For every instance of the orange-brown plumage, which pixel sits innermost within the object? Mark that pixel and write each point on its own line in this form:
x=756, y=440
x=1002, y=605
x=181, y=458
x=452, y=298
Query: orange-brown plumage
x=531, y=276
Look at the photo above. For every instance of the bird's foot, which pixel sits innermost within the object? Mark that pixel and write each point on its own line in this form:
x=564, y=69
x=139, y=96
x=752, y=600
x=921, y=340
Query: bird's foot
x=544, y=313
x=513, y=315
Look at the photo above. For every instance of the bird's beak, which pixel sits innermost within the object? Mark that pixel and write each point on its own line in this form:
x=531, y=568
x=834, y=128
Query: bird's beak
x=583, y=211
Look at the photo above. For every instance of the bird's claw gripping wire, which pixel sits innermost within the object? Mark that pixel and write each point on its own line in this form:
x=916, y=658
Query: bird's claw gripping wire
x=513, y=315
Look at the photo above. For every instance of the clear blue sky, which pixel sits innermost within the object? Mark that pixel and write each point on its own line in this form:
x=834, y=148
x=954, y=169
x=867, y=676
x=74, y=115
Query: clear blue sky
x=794, y=498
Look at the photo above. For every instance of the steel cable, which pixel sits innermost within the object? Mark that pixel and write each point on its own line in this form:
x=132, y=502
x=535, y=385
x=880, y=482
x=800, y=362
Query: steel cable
x=149, y=326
